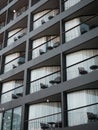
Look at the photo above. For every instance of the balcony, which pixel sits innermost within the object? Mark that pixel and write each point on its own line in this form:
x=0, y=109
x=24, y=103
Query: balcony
x=45, y=82
x=79, y=26
x=48, y=116
x=43, y=17
x=11, y=94
x=47, y=122
x=83, y=111
x=15, y=35
x=43, y=45
x=83, y=115
x=82, y=67
x=13, y=61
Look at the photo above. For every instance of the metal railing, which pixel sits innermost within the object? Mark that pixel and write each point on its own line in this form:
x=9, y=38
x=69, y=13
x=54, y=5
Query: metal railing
x=45, y=47
x=50, y=121
x=82, y=28
x=14, y=63
x=16, y=36
x=44, y=18
x=14, y=93
x=82, y=67
x=45, y=82
x=83, y=114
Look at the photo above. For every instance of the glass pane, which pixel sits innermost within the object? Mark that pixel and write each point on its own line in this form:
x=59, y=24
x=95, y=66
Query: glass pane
x=16, y=119
x=7, y=120
x=83, y=115
x=0, y=120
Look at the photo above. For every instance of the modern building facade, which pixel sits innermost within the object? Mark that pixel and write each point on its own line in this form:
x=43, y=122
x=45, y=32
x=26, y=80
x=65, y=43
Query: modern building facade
x=48, y=65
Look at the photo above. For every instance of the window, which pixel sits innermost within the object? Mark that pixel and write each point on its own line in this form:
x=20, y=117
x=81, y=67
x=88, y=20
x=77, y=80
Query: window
x=43, y=76
x=16, y=119
x=15, y=35
x=44, y=44
x=43, y=17
x=11, y=119
x=9, y=89
x=10, y=62
x=7, y=120
x=44, y=113
x=82, y=99
x=90, y=57
x=75, y=32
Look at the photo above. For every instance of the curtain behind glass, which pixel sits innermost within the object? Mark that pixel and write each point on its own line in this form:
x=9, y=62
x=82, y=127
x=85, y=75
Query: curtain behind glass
x=6, y=87
x=75, y=32
x=36, y=43
x=76, y=57
x=8, y=58
x=9, y=86
x=43, y=109
x=70, y=3
x=39, y=113
x=79, y=99
x=41, y=72
x=44, y=17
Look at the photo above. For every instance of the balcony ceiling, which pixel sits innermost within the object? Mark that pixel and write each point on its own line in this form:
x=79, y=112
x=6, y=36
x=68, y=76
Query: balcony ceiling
x=20, y=48
x=55, y=61
x=20, y=24
x=54, y=98
x=53, y=30
x=91, y=44
x=51, y=4
x=18, y=76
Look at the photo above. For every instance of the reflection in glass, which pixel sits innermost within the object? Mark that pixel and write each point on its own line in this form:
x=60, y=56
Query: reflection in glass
x=16, y=119
x=80, y=116
x=0, y=120
x=44, y=113
x=7, y=120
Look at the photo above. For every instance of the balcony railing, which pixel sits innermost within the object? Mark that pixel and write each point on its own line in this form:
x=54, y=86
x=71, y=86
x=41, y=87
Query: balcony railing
x=45, y=47
x=14, y=63
x=12, y=94
x=83, y=67
x=45, y=82
x=44, y=18
x=46, y=122
x=83, y=114
x=89, y=23
x=16, y=36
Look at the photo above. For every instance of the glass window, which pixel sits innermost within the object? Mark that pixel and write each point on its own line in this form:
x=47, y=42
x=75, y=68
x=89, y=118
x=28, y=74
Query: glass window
x=79, y=56
x=0, y=120
x=44, y=113
x=7, y=90
x=10, y=58
x=82, y=99
x=41, y=72
x=16, y=119
x=11, y=119
x=7, y=120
